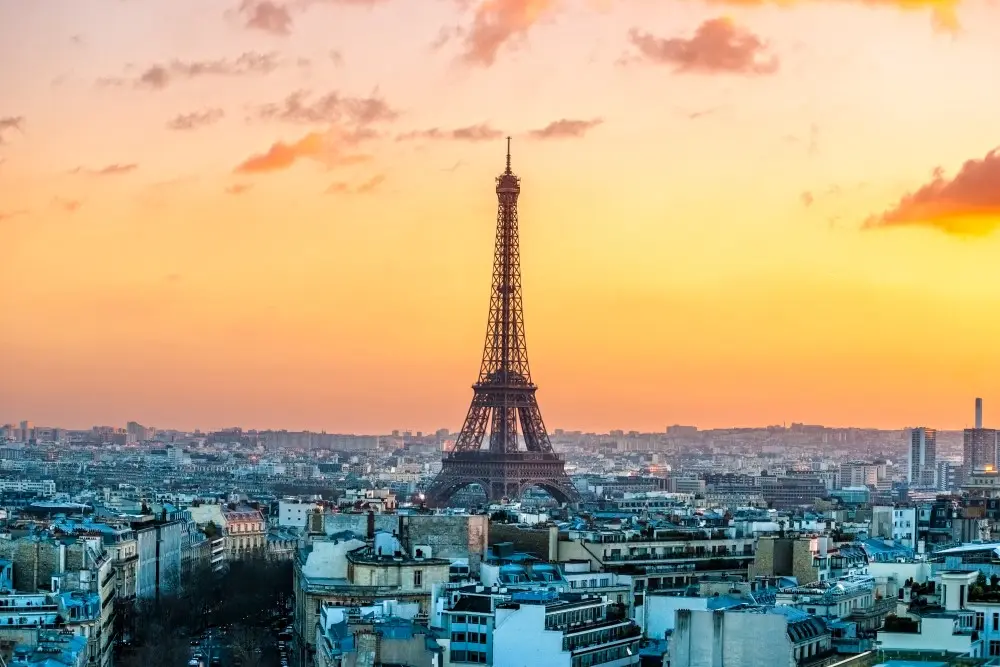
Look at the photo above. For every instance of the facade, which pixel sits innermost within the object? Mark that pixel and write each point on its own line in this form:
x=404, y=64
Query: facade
x=245, y=533
x=158, y=568
x=344, y=571
x=732, y=638
x=921, y=468
x=384, y=634
x=295, y=513
x=546, y=628
x=979, y=449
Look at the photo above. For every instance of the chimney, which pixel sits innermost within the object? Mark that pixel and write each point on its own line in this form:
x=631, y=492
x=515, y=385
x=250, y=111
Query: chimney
x=979, y=413
x=371, y=525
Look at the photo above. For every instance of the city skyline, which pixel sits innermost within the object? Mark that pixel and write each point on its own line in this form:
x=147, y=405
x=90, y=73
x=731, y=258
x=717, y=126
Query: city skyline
x=259, y=215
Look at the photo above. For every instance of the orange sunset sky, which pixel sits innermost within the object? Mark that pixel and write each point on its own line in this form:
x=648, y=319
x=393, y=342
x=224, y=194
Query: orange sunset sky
x=280, y=214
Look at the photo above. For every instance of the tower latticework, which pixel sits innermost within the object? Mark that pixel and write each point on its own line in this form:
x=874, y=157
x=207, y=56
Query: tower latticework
x=504, y=395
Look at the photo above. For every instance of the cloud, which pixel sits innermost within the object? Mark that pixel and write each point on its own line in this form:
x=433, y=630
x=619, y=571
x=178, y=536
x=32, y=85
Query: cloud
x=330, y=108
x=11, y=123
x=322, y=147
x=266, y=15
x=967, y=204
x=565, y=128
x=196, y=119
x=238, y=188
x=159, y=76
x=366, y=187
x=717, y=46
x=943, y=11
x=497, y=22
x=115, y=169
x=12, y=214
x=68, y=205
x=807, y=198
x=480, y=132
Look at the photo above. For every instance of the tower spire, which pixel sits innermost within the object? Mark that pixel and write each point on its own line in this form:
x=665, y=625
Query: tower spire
x=508, y=156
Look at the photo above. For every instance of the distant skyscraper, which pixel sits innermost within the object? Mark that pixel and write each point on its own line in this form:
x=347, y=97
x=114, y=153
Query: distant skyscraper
x=923, y=456
x=979, y=445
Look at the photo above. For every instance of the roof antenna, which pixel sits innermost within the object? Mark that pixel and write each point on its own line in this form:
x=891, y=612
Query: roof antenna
x=508, y=155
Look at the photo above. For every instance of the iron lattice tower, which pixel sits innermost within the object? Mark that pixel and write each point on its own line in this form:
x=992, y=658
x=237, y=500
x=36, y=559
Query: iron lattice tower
x=504, y=395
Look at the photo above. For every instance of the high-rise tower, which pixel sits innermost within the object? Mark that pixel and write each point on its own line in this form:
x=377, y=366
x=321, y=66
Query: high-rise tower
x=503, y=395
x=922, y=460
x=979, y=445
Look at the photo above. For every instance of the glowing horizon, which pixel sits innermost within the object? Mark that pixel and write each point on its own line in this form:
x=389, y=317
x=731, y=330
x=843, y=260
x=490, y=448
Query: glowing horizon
x=280, y=213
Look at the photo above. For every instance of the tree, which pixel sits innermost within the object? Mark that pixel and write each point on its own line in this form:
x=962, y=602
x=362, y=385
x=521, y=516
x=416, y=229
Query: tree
x=248, y=644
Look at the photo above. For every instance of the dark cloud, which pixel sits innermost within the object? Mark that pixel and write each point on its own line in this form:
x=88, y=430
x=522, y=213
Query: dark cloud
x=967, y=204
x=566, y=128
x=266, y=15
x=195, y=119
x=481, y=132
x=8, y=123
x=717, y=46
x=330, y=108
x=161, y=75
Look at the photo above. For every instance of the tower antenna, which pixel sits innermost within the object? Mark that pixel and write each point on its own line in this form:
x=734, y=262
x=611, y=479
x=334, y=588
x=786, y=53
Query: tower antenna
x=508, y=156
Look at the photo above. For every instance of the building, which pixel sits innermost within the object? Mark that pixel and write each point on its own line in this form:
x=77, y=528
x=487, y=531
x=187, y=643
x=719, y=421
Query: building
x=344, y=571
x=979, y=445
x=922, y=459
x=295, y=513
x=555, y=630
x=51, y=648
x=383, y=634
x=735, y=638
x=950, y=627
x=158, y=567
x=245, y=533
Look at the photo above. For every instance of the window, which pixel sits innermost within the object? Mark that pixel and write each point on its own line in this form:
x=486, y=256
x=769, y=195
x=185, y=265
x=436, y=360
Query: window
x=995, y=648
x=980, y=619
x=996, y=621
x=459, y=619
x=458, y=637
x=418, y=578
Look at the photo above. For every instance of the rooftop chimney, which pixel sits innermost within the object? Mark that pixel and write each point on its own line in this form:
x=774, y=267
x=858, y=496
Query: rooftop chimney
x=371, y=525
x=979, y=413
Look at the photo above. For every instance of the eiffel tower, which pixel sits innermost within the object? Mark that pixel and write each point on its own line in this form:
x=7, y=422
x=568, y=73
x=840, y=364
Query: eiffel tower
x=504, y=394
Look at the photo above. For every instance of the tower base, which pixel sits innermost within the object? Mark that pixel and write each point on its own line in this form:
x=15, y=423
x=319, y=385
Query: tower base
x=501, y=476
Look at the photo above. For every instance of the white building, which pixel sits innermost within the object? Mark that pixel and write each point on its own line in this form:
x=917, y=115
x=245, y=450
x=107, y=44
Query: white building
x=42, y=487
x=950, y=627
x=750, y=637
x=295, y=513
x=543, y=628
x=904, y=526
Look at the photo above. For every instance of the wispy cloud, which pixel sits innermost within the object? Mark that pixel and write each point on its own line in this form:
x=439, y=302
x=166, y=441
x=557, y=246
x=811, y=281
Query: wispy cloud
x=196, y=119
x=239, y=188
x=496, y=23
x=365, y=187
x=7, y=215
x=300, y=107
x=68, y=205
x=159, y=76
x=966, y=204
x=327, y=148
x=565, y=128
x=717, y=46
x=115, y=169
x=480, y=132
x=8, y=123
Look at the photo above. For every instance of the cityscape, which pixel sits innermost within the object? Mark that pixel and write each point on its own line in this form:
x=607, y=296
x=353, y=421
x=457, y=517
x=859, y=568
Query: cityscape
x=152, y=282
